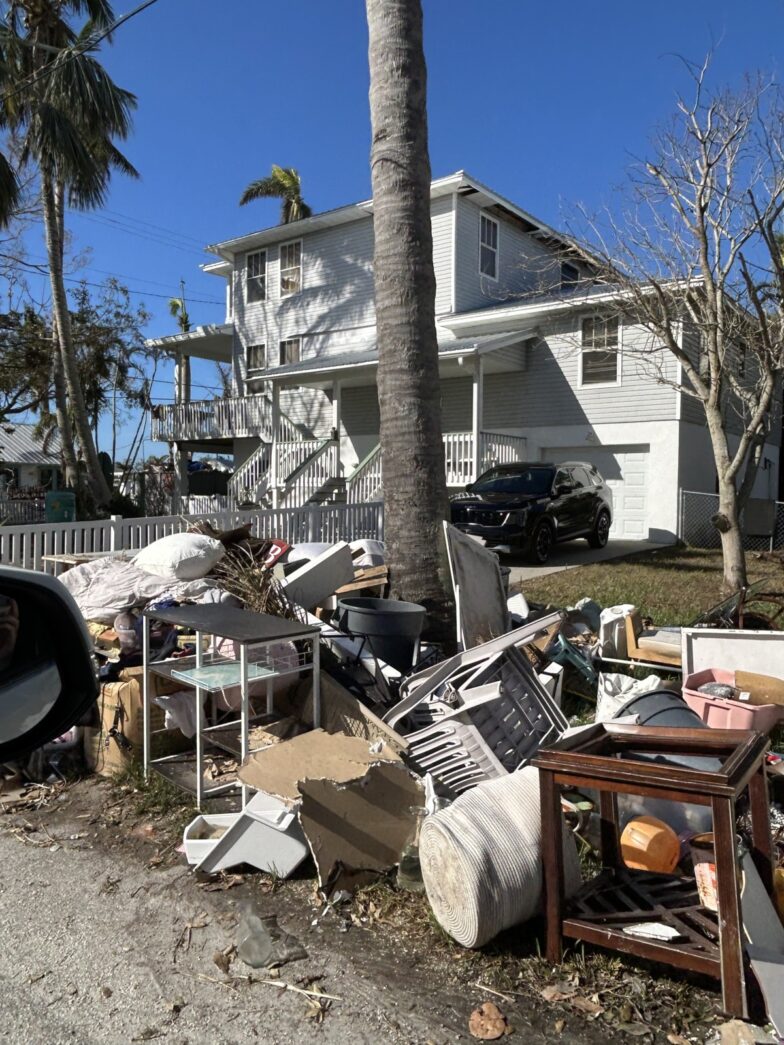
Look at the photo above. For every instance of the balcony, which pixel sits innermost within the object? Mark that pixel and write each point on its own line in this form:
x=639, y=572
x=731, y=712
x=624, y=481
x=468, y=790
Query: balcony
x=229, y=418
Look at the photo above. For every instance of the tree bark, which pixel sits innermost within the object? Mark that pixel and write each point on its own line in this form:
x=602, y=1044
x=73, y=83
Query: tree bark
x=70, y=464
x=54, y=248
x=409, y=393
x=727, y=519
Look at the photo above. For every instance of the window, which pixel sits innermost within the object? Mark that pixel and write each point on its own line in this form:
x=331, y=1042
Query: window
x=600, y=350
x=255, y=357
x=488, y=247
x=570, y=275
x=290, y=268
x=290, y=350
x=256, y=276
x=579, y=478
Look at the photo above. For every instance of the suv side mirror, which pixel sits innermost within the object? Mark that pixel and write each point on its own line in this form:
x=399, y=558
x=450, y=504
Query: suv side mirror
x=47, y=677
x=563, y=488
x=469, y=487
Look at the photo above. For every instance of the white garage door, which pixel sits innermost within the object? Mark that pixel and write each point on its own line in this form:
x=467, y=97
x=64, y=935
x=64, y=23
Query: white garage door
x=625, y=470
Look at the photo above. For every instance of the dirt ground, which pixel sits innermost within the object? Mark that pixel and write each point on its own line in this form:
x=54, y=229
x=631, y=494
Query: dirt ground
x=108, y=937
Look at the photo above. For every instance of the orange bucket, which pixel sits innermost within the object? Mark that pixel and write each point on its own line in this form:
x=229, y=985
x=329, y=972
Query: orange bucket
x=648, y=844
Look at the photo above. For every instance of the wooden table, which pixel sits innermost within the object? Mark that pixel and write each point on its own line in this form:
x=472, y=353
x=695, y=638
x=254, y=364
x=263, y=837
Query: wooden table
x=615, y=759
x=69, y=559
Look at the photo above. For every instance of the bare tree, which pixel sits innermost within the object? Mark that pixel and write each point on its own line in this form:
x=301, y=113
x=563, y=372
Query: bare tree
x=696, y=260
x=415, y=497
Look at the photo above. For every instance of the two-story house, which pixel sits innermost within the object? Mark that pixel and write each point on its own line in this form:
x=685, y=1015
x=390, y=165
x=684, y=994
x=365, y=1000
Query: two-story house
x=536, y=363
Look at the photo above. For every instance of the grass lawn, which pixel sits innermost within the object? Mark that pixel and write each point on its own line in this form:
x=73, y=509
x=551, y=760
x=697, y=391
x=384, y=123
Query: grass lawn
x=672, y=585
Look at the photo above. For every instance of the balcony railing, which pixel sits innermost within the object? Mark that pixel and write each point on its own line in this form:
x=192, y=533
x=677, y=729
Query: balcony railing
x=213, y=419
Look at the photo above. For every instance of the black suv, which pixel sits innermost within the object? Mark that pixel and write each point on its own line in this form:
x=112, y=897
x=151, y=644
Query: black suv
x=534, y=505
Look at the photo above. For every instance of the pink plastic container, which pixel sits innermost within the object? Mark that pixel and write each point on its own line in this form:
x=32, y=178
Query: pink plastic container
x=728, y=714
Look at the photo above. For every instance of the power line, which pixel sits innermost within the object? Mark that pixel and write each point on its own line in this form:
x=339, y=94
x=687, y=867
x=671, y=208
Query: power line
x=140, y=221
x=159, y=240
x=107, y=272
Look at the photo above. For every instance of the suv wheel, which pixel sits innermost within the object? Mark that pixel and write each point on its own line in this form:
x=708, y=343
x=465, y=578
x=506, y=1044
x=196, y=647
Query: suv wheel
x=541, y=543
x=601, y=531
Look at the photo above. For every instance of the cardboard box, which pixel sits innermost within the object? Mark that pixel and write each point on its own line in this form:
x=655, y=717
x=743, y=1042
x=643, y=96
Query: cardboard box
x=120, y=708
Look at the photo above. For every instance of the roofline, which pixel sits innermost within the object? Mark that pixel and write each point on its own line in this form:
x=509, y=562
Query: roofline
x=458, y=182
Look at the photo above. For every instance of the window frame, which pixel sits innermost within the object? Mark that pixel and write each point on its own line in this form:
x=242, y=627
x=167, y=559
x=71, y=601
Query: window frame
x=288, y=341
x=256, y=276
x=283, y=246
x=255, y=369
x=617, y=349
x=496, y=250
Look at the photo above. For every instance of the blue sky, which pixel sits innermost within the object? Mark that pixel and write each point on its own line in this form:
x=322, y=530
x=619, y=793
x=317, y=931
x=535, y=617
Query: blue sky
x=546, y=103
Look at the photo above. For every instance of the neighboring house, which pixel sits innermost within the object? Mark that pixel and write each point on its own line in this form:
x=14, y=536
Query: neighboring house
x=25, y=461
x=532, y=364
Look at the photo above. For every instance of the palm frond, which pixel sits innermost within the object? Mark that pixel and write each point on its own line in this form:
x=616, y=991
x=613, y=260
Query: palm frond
x=82, y=87
x=264, y=188
x=9, y=191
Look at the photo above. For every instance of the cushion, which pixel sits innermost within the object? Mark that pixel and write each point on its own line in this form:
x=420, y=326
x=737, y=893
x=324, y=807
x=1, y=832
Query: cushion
x=181, y=556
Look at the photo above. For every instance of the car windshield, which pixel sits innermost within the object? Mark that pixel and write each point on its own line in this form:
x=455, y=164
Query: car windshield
x=525, y=481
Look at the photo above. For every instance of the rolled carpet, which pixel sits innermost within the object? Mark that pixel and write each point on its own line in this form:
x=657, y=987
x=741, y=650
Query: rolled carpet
x=481, y=858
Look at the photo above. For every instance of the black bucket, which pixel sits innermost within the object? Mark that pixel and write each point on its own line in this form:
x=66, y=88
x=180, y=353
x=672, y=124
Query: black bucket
x=392, y=628
x=665, y=707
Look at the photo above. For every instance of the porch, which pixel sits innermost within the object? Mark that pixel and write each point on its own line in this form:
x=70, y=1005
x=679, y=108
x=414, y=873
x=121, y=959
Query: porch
x=236, y=417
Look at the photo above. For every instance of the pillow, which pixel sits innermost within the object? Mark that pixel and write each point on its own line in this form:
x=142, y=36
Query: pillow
x=181, y=556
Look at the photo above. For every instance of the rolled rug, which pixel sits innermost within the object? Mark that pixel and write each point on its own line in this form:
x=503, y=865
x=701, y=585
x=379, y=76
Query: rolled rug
x=481, y=858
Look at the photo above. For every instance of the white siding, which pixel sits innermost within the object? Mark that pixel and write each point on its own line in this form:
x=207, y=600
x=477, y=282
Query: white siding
x=524, y=265
x=442, y=222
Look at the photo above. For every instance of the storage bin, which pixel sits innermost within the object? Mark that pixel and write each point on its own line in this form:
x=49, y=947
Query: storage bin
x=730, y=714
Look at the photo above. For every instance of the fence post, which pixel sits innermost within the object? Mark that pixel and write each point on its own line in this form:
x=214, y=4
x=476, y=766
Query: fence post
x=380, y=521
x=115, y=533
x=314, y=523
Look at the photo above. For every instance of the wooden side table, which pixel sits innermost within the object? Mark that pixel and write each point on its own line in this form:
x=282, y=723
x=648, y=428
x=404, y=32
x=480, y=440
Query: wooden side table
x=616, y=759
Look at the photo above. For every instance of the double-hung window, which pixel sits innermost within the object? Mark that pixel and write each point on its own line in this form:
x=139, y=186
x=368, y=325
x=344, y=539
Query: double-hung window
x=290, y=350
x=255, y=357
x=256, y=276
x=488, y=247
x=600, y=350
x=290, y=268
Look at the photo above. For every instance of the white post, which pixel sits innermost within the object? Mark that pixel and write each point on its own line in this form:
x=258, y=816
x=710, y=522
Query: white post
x=314, y=523
x=477, y=397
x=337, y=404
x=275, y=438
x=115, y=533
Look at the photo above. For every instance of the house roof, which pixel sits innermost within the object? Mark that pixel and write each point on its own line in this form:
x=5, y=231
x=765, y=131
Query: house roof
x=18, y=445
x=460, y=182
x=212, y=341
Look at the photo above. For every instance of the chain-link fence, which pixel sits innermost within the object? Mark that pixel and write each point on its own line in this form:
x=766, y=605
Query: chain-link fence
x=697, y=530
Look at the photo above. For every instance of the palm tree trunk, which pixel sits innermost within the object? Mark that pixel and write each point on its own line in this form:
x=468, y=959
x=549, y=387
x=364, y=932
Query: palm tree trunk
x=70, y=463
x=409, y=394
x=52, y=206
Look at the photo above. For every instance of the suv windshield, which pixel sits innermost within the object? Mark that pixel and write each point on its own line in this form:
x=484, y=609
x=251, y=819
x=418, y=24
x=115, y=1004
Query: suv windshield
x=534, y=481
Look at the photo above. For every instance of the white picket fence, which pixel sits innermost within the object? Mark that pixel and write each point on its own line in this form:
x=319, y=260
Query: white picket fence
x=27, y=545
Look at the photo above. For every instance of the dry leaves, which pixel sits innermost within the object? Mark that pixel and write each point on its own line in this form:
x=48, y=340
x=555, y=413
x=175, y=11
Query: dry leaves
x=487, y=1022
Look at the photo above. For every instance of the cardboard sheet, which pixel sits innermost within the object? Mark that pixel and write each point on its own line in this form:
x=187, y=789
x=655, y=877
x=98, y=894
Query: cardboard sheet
x=342, y=712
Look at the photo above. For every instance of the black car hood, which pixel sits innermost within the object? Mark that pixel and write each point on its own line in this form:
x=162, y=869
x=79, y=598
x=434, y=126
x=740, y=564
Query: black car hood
x=499, y=500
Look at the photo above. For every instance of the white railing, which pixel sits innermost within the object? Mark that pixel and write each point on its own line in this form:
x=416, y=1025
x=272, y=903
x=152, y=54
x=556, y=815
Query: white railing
x=214, y=419
x=251, y=478
x=459, y=458
x=292, y=455
x=305, y=482
x=26, y=546
x=498, y=448
x=364, y=484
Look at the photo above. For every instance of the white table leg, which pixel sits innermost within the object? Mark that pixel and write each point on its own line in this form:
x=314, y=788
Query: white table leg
x=146, y=694
x=316, y=659
x=244, y=713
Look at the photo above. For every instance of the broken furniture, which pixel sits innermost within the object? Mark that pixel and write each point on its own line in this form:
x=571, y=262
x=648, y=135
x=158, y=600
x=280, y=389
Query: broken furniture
x=480, y=592
x=213, y=673
x=652, y=645
x=758, y=606
x=613, y=759
x=480, y=715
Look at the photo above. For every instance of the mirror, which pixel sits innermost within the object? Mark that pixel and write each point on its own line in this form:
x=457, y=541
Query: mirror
x=47, y=678
x=563, y=488
x=469, y=488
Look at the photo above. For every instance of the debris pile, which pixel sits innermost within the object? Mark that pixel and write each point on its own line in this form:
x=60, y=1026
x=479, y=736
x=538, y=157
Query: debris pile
x=350, y=740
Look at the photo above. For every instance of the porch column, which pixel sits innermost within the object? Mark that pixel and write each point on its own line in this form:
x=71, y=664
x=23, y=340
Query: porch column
x=182, y=378
x=477, y=400
x=275, y=438
x=180, y=476
x=337, y=408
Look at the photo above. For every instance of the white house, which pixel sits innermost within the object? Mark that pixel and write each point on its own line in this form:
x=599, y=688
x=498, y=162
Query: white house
x=532, y=364
x=24, y=460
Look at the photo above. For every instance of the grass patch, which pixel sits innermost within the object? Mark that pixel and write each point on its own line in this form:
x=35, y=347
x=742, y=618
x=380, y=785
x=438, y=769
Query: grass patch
x=670, y=585
x=155, y=797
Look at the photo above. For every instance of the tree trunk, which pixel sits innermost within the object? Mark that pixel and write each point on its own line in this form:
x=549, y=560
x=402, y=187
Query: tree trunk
x=54, y=248
x=70, y=463
x=409, y=393
x=727, y=519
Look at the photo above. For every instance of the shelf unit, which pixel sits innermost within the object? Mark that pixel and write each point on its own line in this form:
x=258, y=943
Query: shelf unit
x=212, y=673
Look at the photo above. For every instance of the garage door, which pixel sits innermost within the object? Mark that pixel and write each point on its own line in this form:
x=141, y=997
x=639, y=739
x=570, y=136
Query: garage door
x=625, y=470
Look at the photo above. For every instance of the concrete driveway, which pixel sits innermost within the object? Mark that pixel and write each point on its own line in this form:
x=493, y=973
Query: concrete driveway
x=571, y=554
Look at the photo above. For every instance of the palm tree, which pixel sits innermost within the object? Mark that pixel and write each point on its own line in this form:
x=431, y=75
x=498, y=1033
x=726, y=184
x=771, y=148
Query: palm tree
x=415, y=496
x=67, y=111
x=182, y=368
x=284, y=184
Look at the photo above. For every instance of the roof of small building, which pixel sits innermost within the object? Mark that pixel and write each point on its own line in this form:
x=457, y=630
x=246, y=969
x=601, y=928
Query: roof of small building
x=19, y=445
